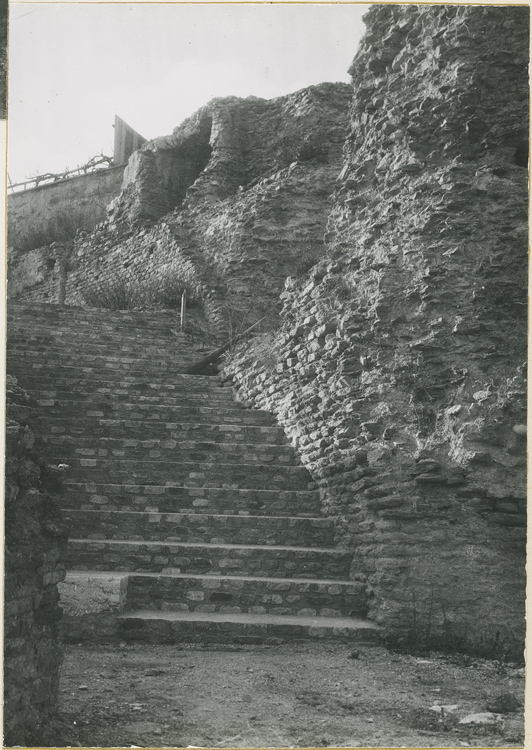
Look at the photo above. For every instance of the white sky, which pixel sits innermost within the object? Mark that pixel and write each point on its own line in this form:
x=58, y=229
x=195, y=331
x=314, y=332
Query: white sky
x=72, y=67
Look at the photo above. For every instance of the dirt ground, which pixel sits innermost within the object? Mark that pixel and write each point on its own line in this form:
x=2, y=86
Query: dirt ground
x=290, y=695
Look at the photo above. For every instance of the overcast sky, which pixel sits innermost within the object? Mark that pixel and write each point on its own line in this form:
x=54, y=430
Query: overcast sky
x=73, y=67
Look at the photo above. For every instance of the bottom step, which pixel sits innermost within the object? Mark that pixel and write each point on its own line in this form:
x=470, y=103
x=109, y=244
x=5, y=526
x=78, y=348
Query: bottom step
x=198, y=627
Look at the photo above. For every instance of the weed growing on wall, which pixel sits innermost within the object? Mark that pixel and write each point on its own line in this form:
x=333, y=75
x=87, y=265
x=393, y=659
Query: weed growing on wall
x=61, y=227
x=130, y=294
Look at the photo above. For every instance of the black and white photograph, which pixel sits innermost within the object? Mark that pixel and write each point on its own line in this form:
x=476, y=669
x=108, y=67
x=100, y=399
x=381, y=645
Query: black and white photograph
x=266, y=395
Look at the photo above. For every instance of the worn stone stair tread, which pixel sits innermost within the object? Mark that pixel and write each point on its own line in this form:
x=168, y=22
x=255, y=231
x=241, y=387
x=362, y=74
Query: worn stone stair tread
x=205, y=383
x=190, y=473
x=159, y=423
x=174, y=497
x=118, y=405
x=102, y=365
x=81, y=359
x=102, y=344
x=187, y=526
x=256, y=416
x=252, y=619
x=208, y=382
x=163, y=450
x=189, y=414
x=321, y=520
x=204, y=465
x=200, y=443
x=82, y=574
x=204, y=430
x=190, y=545
x=197, y=488
x=160, y=488
x=55, y=310
x=157, y=490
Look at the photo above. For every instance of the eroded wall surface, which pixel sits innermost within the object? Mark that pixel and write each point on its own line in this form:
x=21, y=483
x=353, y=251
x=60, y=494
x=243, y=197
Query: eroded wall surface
x=399, y=364
x=35, y=537
x=42, y=218
x=237, y=198
x=36, y=211
x=399, y=368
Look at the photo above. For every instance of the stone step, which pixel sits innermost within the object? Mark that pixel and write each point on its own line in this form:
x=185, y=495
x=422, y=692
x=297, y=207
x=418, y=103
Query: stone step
x=118, y=404
x=76, y=381
x=111, y=340
x=68, y=412
x=143, y=353
x=49, y=315
x=217, y=397
x=185, y=431
x=176, y=498
x=168, y=450
x=152, y=626
x=99, y=363
x=190, y=474
x=201, y=527
x=236, y=594
x=92, y=342
x=184, y=506
x=215, y=559
x=111, y=404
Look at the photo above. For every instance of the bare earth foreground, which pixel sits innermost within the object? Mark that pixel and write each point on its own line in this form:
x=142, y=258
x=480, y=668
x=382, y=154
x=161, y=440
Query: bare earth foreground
x=290, y=695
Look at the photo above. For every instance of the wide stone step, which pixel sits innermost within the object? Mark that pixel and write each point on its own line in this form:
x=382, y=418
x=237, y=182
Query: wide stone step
x=168, y=450
x=142, y=355
x=125, y=395
x=68, y=412
x=115, y=344
x=49, y=315
x=75, y=381
x=199, y=431
x=152, y=626
x=119, y=342
x=216, y=559
x=202, y=528
x=175, y=498
x=97, y=364
x=236, y=594
x=190, y=474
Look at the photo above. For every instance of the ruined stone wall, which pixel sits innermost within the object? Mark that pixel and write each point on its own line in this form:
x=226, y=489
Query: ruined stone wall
x=236, y=199
x=35, y=213
x=34, y=541
x=39, y=222
x=399, y=367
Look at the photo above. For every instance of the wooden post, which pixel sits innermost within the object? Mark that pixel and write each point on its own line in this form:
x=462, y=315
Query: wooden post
x=183, y=309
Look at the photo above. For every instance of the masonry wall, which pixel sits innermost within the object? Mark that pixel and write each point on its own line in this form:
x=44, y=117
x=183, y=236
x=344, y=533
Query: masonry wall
x=397, y=362
x=34, y=540
x=399, y=367
x=236, y=199
x=35, y=211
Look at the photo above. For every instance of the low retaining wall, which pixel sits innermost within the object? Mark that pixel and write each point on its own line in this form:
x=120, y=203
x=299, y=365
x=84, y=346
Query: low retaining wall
x=37, y=215
x=34, y=541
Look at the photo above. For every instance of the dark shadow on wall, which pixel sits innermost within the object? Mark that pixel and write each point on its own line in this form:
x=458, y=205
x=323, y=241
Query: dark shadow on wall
x=178, y=168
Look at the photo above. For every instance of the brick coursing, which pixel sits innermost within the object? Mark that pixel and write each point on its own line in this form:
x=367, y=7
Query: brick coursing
x=35, y=537
x=399, y=367
x=232, y=227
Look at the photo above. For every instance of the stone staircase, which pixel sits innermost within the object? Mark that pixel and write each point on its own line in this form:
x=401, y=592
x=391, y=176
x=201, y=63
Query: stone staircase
x=191, y=517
